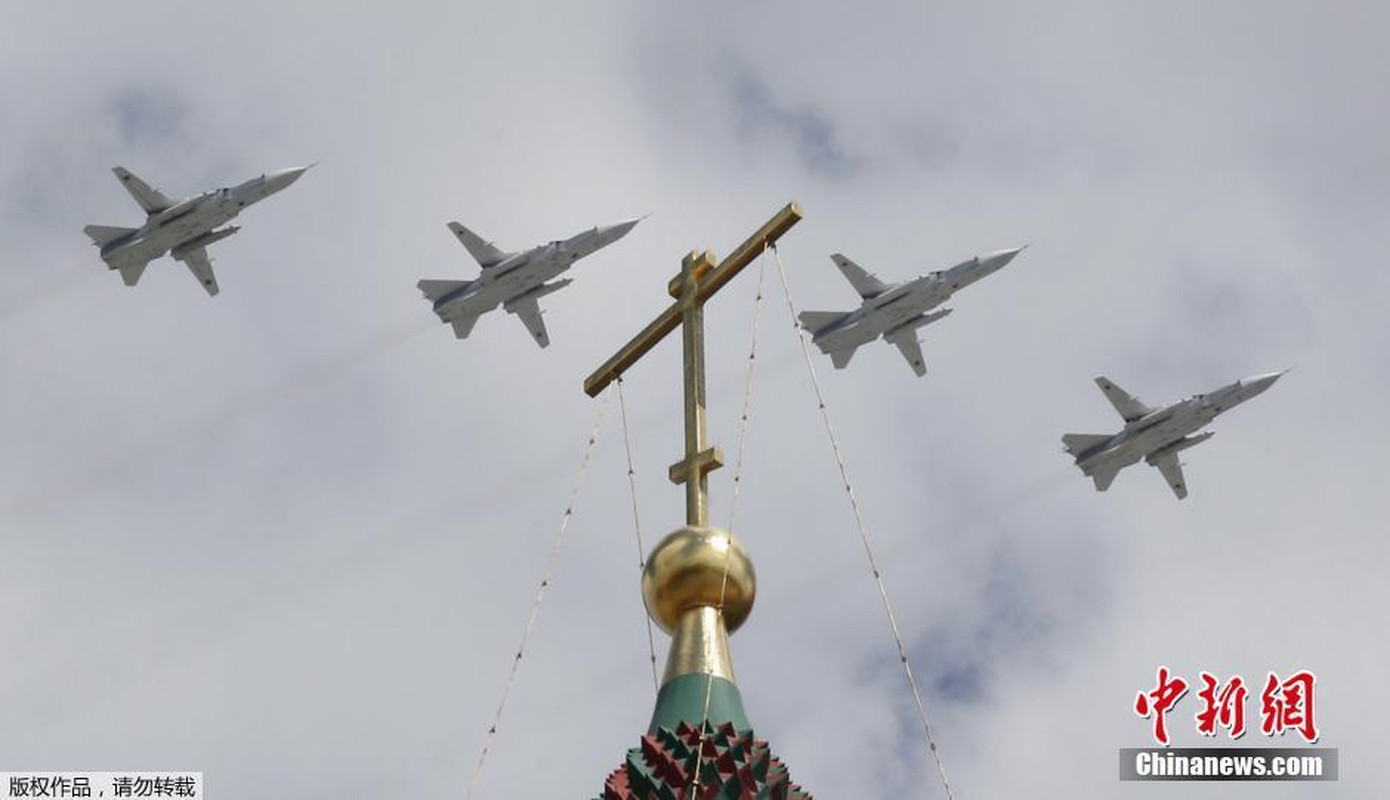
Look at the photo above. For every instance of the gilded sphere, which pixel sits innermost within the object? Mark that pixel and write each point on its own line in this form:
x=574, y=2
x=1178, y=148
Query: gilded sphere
x=688, y=569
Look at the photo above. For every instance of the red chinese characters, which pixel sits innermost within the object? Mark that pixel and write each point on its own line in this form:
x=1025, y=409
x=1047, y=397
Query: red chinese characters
x=1288, y=705
x=1159, y=701
x=1285, y=705
x=1226, y=707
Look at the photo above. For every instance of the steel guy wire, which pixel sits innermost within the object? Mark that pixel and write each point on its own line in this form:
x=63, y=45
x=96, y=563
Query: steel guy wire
x=863, y=531
x=637, y=526
x=747, y=393
x=556, y=547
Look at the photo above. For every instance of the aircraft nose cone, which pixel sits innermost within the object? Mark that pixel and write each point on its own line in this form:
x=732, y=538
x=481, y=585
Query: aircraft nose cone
x=621, y=229
x=1259, y=383
x=612, y=233
x=994, y=261
x=285, y=177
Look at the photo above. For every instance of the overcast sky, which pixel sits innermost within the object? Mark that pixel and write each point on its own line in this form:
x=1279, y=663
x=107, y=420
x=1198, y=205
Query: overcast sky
x=289, y=536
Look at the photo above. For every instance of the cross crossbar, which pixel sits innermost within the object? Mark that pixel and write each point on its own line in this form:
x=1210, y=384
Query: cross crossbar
x=710, y=282
x=698, y=280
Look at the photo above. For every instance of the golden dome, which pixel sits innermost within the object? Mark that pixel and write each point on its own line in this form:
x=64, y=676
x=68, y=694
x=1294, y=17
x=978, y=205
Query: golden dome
x=687, y=571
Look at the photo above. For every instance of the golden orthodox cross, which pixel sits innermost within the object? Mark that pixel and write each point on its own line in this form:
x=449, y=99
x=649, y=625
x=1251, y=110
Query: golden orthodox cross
x=698, y=280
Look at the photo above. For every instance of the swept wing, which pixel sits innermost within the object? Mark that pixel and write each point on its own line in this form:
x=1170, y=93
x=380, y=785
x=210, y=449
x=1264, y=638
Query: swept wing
x=864, y=282
x=1126, y=404
x=200, y=264
x=483, y=251
x=1171, y=468
x=529, y=311
x=911, y=348
x=149, y=198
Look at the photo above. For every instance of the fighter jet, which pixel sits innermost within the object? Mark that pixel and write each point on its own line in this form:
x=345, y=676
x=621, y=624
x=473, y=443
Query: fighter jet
x=1156, y=435
x=893, y=312
x=515, y=281
x=182, y=228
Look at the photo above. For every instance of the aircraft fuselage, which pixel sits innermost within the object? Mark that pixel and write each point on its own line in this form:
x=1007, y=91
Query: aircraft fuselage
x=902, y=304
x=525, y=273
x=191, y=219
x=1167, y=427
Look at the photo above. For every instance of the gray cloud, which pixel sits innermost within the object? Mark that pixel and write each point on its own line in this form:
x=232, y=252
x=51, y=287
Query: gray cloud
x=810, y=131
x=147, y=117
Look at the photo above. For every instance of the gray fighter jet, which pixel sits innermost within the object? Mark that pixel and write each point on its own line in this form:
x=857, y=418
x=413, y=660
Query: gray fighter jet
x=182, y=228
x=515, y=281
x=893, y=311
x=1156, y=435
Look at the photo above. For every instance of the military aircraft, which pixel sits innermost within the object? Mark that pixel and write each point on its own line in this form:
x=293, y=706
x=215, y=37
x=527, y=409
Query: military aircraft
x=182, y=228
x=1156, y=435
x=893, y=311
x=515, y=281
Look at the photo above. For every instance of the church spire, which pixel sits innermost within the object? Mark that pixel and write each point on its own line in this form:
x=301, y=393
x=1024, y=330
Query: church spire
x=698, y=584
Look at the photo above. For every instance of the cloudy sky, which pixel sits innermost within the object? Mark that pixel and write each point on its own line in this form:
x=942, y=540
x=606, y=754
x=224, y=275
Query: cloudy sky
x=290, y=536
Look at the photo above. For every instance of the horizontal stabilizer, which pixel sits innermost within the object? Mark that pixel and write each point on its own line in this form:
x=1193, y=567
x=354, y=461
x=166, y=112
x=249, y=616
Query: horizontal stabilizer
x=1104, y=477
x=816, y=321
x=131, y=272
x=462, y=326
x=1129, y=406
x=103, y=235
x=483, y=251
x=1077, y=443
x=840, y=358
x=433, y=290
